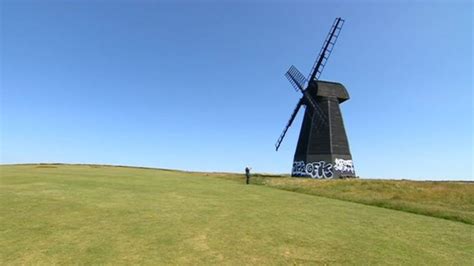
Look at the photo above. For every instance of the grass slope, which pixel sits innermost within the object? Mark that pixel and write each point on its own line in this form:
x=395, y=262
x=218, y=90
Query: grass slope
x=448, y=200
x=113, y=215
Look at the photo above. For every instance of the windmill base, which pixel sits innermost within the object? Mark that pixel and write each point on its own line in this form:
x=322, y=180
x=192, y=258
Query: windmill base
x=324, y=167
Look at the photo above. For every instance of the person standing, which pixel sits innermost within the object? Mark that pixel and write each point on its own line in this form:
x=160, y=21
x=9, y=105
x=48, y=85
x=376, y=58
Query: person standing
x=247, y=174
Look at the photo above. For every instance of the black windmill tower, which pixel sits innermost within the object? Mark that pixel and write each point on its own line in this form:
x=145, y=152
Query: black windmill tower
x=322, y=150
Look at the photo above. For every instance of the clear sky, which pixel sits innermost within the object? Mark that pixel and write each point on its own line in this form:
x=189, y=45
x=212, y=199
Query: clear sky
x=199, y=85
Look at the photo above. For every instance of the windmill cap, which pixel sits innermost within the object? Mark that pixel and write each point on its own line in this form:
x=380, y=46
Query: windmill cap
x=332, y=89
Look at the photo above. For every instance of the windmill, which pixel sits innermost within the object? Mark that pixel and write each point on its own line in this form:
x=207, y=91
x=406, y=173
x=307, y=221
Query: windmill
x=322, y=150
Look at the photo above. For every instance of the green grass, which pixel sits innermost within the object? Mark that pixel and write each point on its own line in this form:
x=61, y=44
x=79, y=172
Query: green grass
x=66, y=214
x=448, y=200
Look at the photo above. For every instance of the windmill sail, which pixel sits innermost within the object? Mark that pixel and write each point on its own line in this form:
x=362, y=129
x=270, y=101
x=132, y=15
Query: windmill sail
x=296, y=78
x=326, y=50
x=292, y=117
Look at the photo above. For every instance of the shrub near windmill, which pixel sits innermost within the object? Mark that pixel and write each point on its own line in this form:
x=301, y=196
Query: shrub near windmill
x=322, y=150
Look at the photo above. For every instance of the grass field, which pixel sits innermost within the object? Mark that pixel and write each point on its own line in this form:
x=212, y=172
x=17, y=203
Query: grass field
x=63, y=214
x=448, y=200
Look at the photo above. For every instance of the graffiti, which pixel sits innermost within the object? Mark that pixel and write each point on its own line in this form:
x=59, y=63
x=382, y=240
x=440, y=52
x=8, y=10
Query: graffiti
x=299, y=169
x=342, y=165
x=320, y=169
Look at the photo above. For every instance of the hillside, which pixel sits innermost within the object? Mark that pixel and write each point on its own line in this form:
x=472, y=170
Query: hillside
x=116, y=215
x=452, y=200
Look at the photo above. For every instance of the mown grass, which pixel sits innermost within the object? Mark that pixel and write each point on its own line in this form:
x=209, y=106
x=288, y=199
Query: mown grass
x=452, y=200
x=73, y=214
x=448, y=200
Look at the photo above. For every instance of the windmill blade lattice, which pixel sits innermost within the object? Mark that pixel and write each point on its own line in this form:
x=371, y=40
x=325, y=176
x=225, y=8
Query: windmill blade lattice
x=292, y=118
x=326, y=50
x=296, y=78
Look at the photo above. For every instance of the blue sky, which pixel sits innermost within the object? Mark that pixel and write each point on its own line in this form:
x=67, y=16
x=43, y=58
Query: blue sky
x=200, y=85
